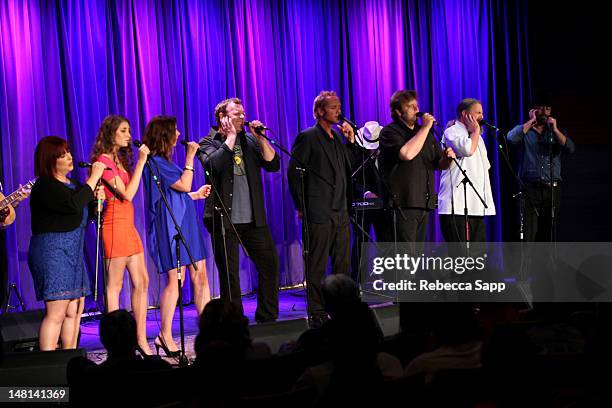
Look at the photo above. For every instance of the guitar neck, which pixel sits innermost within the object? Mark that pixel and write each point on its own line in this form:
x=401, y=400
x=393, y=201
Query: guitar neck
x=8, y=200
x=17, y=196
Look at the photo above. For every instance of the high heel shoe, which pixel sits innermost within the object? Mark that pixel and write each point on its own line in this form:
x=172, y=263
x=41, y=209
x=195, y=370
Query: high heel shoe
x=159, y=342
x=142, y=353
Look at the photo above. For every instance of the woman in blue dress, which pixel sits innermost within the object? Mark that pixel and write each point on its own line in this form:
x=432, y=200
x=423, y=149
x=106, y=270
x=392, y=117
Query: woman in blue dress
x=58, y=207
x=161, y=137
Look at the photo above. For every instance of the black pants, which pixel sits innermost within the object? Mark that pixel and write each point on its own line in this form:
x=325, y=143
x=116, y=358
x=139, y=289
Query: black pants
x=453, y=228
x=538, y=228
x=332, y=239
x=260, y=245
x=367, y=219
x=410, y=227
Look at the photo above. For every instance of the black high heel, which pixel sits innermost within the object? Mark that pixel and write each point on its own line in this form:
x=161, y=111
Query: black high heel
x=142, y=353
x=163, y=345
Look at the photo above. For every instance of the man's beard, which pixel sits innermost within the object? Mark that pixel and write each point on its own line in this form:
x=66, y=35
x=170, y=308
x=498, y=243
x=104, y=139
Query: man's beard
x=541, y=119
x=410, y=121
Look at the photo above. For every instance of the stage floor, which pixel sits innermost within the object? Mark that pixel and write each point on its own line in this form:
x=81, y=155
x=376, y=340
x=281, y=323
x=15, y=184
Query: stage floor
x=292, y=306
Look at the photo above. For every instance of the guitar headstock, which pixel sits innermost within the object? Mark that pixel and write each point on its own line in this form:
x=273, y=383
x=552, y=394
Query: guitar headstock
x=27, y=187
x=24, y=191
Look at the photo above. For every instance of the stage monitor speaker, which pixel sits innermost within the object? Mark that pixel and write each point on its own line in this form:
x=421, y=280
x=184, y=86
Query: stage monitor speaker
x=388, y=319
x=38, y=368
x=275, y=334
x=19, y=330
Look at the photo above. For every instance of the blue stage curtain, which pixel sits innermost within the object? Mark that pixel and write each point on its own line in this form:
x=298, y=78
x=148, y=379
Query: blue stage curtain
x=65, y=65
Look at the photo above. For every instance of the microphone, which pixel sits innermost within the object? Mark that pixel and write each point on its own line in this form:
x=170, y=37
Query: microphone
x=198, y=152
x=343, y=118
x=260, y=127
x=420, y=114
x=83, y=165
x=484, y=123
x=137, y=143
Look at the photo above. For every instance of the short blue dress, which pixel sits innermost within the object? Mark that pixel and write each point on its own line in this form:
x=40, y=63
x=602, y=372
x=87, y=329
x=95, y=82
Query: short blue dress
x=57, y=264
x=160, y=228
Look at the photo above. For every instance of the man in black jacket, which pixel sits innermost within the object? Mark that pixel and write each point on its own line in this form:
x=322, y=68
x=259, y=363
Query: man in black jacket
x=328, y=195
x=233, y=159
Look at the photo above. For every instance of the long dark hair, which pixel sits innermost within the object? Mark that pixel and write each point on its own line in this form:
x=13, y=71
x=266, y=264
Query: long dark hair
x=159, y=134
x=105, y=142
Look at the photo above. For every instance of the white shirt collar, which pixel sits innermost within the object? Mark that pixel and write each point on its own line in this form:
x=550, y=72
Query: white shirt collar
x=460, y=124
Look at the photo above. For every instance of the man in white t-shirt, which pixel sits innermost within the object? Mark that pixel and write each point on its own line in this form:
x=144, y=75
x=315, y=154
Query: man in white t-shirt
x=464, y=137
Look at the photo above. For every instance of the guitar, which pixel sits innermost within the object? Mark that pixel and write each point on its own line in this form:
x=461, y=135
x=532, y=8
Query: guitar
x=17, y=196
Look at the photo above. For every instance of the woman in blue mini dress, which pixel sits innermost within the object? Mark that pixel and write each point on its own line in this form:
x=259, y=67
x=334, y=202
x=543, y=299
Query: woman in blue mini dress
x=58, y=207
x=161, y=137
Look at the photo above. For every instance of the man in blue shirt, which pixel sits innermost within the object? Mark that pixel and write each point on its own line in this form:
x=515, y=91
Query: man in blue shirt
x=542, y=144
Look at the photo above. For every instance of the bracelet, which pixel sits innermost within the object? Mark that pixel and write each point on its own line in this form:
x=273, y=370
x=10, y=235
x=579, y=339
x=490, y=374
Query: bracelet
x=188, y=168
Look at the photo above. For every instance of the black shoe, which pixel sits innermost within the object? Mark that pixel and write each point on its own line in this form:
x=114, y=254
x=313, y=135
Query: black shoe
x=159, y=342
x=316, y=321
x=260, y=320
x=142, y=353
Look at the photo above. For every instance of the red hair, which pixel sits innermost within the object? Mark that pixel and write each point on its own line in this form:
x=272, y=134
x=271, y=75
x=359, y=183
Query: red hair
x=48, y=150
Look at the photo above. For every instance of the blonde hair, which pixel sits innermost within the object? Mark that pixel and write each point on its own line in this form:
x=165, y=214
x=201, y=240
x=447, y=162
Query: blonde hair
x=320, y=102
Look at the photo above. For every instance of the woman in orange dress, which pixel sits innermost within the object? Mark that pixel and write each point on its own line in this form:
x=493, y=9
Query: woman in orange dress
x=122, y=244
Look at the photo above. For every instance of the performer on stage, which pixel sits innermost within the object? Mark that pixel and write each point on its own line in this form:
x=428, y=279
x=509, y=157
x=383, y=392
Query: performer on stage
x=539, y=137
x=328, y=196
x=122, y=244
x=161, y=136
x=58, y=208
x=410, y=154
x=234, y=158
x=464, y=137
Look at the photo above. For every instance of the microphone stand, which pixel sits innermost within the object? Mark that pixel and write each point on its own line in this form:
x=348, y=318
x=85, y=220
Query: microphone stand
x=466, y=181
x=553, y=221
x=179, y=238
x=370, y=157
x=364, y=233
x=223, y=213
x=553, y=226
x=362, y=216
x=364, y=162
x=100, y=257
x=301, y=168
x=352, y=218
x=523, y=199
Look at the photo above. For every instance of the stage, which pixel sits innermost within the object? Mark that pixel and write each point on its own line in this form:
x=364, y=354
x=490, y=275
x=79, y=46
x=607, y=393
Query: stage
x=292, y=321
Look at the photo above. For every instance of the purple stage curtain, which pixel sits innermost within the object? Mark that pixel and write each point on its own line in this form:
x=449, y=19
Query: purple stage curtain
x=65, y=65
